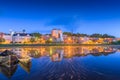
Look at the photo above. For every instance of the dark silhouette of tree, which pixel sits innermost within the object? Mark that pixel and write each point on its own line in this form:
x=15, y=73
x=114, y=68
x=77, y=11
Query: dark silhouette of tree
x=36, y=35
x=24, y=30
x=82, y=35
x=95, y=35
x=75, y=34
x=67, y=33
x=107, y=36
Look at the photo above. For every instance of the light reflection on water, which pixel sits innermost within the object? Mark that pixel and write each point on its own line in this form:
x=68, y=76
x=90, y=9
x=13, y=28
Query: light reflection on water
x=63, y=63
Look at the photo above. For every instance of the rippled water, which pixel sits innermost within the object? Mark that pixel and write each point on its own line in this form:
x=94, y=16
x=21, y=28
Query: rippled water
x=63, y=63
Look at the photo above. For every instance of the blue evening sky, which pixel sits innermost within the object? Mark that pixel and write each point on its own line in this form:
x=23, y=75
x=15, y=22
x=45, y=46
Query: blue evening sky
x=83, y=16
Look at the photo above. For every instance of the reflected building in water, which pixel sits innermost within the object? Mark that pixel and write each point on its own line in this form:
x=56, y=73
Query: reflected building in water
x=58, y=53
x=57, y=56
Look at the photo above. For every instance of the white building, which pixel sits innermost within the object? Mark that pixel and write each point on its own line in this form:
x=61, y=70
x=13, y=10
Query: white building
x=8, y=38
x=21, y=38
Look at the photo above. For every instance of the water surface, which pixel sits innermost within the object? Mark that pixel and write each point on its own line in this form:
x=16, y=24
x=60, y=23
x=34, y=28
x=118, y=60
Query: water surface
x=63, y=63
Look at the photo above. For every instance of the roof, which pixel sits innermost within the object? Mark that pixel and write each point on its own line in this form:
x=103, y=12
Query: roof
x=21, y=34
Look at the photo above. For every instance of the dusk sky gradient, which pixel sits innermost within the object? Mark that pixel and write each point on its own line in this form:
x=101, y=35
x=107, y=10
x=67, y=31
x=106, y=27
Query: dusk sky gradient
x=83, y=16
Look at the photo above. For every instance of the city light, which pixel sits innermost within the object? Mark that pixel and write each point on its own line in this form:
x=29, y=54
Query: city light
x=56, y=36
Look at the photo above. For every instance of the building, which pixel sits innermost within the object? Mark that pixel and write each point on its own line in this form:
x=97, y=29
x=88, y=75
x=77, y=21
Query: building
x=8, y=38
x=108, y=40
x=68, y=39
x=57, y=34
x=21, y=38
x=15, y=37
x=1, y=35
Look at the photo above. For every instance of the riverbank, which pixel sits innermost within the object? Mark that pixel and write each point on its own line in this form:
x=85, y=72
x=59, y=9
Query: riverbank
x=18, y=45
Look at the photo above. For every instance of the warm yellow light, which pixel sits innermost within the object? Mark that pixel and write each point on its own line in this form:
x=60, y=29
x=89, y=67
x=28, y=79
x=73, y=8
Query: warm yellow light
x=69, y=39
x=50, y=39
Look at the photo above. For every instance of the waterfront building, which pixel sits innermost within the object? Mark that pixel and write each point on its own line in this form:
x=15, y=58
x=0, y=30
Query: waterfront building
x=21, y=38
x=1, y=35
x=108, y=40
x=57, y=34
x=8, y=38
x=84, y=40
x=68, y=40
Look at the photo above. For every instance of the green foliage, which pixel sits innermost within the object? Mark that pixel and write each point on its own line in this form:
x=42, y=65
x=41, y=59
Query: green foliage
x=37, y=35
x=117, y=42
x=107, y=36
x=102, y=35
x=48, y=41
x=96, y=35
x=32, y=40
x=2, y=40
x=82, y=35
x=73, y=34
x=67, y=33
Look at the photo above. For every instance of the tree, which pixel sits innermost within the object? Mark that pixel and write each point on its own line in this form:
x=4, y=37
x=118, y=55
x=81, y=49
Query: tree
x=32, y=40
x=75, y=34
x=117, y=42
x=81, y=35
x=67, y=33
x=37, y=35
x=24, y=30
x=2, y=40
x=96, y=35
x=108, y=36
x=49, y=40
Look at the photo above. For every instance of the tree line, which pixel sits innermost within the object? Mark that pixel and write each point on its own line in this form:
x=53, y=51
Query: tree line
x=96, y=35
